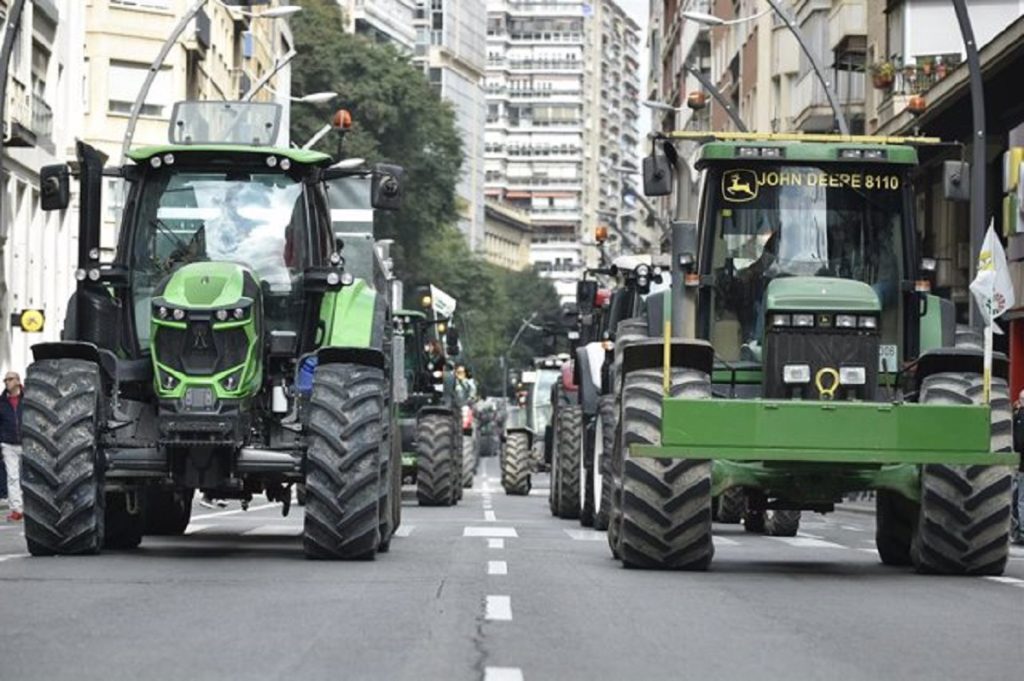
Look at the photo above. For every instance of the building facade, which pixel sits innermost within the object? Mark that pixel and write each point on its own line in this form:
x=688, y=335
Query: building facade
x=506, y=236
x=386, y=21
x=451, y=47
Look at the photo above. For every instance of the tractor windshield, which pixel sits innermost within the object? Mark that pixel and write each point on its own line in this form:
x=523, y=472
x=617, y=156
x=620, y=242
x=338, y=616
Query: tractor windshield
x=256, y=220
x=540, y=398
x=778, y=221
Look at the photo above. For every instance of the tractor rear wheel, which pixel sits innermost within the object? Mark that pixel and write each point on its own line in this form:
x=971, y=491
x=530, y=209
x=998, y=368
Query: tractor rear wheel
x=895, y=517
x=469, y=458
x=63, y=486
x=666, y=503
x=568, y=453
x=964, y=521
x=515, y=464
x=604, y=444
x=436, y=473
x=342, y=518
x=168, y=510
x=779, y=523
x=390, y=484
x=730, y=505
x=122, y=525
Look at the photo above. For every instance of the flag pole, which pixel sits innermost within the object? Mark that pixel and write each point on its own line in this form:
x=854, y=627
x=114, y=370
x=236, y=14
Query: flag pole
x=986, y=379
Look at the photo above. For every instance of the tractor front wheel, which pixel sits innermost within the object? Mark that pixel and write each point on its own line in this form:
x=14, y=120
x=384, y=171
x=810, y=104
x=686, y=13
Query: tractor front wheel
x=436, y=474
x=566, y=463
x=515, y=464
x=895, y=517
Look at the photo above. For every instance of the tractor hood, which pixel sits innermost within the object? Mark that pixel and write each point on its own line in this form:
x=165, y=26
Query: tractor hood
x=821, y=293
x=207, y=285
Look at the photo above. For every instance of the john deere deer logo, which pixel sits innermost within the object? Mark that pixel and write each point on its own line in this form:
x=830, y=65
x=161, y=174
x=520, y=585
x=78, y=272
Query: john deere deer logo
x=739, y=185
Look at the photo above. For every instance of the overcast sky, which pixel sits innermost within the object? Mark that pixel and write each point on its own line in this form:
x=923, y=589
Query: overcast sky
x=638, y=10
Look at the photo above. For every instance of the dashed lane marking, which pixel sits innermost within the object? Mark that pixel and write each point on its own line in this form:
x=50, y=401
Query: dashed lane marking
x=497, y=567
x=585, y=535
x=489, y=516
x=495, y=543
x=12, y=557
x=807, y=543
x=873, y=552
x=498, y=608
x=196, y=528
x=221, y=514
x=503, y=674
x=724, y=541
x=471, y=531
x=1011, y=581
x=272, y=530
x=404, y=530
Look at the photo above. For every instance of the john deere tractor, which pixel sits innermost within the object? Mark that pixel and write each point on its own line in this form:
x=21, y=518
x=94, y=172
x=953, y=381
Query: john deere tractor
x=227, y=347
x=807, y=359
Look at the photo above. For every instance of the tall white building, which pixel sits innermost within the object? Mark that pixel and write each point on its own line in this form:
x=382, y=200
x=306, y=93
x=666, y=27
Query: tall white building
x=451, y=46
x=535, y=126
x=43, y=117
x=386, y=21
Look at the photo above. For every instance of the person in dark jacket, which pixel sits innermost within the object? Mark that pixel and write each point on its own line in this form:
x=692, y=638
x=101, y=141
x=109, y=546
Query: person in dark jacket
x=10, y=440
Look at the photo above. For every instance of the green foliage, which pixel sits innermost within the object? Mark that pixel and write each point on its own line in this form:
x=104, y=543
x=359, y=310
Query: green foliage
x=399, y=118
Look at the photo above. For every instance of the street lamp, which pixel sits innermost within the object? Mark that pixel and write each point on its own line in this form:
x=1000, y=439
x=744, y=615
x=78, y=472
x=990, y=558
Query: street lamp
x=165, y=49
x=710, y=87
x=528, y=322
x=711, y=20
x=311, y=98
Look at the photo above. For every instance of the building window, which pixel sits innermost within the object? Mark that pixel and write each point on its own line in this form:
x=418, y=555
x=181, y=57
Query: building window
x=147, y=4
x=124, y=82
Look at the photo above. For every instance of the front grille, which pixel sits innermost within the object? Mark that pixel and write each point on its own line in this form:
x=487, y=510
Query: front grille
x=820, y=349
x=199, y=350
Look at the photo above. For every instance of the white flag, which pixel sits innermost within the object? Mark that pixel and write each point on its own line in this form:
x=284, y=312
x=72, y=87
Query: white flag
x=443, y=303
x=992, y=288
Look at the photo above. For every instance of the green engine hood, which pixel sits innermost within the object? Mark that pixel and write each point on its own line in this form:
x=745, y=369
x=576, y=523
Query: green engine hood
x=206, y=284
x=821, y=293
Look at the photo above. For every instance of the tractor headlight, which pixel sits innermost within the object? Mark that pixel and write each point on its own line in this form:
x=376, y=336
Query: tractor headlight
x=846, y=321
x=162, y=312
x=167, y=382
x=852, y=376
x=221, y=315
x=796, y=374
x=233, y=380
x=178, y=314
x=643, y=271
x=239, y=313
x=642, y=282
x=867, y=322
x=803, y=320
x=781, y=320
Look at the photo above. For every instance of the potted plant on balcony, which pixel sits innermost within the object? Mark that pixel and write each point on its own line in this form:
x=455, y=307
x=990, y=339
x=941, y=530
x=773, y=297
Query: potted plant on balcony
x=883, y=74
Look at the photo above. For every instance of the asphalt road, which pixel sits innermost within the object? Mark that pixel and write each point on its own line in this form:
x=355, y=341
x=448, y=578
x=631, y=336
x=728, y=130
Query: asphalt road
x=497, y=589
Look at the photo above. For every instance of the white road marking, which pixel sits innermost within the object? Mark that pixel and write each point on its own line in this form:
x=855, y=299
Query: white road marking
x=539, y=492
x=495, y=543
x=196, y=528
x=851, y=528
x=1012, y=581
x=471, y=531
x=272, y=530
x=499, y=608
x=724, y=541
x=488, y=504
x=809, y=536
x=404, y=530
x=873, y=552
x=489, y=516
x=497, y=567
x=807, y=543
x=13, y=556
x=220, y=514
x=586, y=535
x=503, y=674
x=1017, y=551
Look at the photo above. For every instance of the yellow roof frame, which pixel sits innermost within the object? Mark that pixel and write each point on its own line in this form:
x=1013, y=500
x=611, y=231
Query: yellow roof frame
x=709, y=136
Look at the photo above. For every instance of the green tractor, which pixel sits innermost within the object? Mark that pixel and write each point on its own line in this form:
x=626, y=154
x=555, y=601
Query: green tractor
x=808, y=359
x=430, y=418
x=227, y=348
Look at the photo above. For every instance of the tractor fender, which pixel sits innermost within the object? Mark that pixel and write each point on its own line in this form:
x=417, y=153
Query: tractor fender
x=686, y=353
x=436, y=409
x=589, y=360
x=113, y=369
x=527, y=431
x=353, y=317
x=371, y=357
x=960, y=360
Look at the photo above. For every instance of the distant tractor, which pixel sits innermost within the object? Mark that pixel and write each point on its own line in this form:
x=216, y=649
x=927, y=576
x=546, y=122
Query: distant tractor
x=227, y=348
x=809, y=359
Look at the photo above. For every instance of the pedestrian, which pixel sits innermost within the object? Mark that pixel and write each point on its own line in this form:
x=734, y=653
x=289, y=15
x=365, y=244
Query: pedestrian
x=10, y=440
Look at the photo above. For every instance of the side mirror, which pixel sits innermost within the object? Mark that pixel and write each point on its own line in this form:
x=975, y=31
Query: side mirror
x=386, y=187
x=586, y=295
x=956, y=180
x=657, y=175
x=55, y=186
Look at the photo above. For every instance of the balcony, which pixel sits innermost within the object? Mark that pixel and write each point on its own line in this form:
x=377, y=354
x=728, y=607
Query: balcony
x=809, y=107
x=29, y=118
x=847, y=19
x=921, y=73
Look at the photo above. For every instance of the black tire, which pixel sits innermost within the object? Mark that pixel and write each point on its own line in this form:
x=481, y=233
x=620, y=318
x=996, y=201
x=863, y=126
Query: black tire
x=730, y=505
x=390, y=459
x=753, y=521
x=964, y=522
x=168, y=511
x=568, y=453
x=63, y=487
x=123, y=526
x=300, y=494
x=588, y=499
x=895, y=520
x=605, y=435
x=666, y=503
x=343, y=468
x=781, y=523
x=436, y=476
x=515, y=465
x=469, y=458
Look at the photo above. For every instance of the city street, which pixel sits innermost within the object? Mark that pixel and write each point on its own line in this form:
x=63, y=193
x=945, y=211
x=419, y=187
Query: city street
x=497, y=589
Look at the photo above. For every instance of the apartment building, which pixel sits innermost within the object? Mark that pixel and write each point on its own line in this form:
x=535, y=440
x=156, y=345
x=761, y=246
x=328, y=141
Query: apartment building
x=451, y=47
x=44, y=98
x=506, y=235
x=386, y=21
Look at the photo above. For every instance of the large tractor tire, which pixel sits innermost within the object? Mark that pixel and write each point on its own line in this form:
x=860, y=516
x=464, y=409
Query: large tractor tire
x=568, y=458
x=469, y=458
x=343, y=467
x=730, y=505
x=436, y=474
x=123, y=525
x=390, y=494
x=964, y=522
x=895, y=520
x=515, y=465
x=168, y=511
x=63, y=486
x=781, y=523
x=604, y=445
x=665, y=503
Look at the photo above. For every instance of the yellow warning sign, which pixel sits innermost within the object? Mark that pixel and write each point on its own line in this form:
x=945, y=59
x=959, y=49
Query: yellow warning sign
x=31, y=321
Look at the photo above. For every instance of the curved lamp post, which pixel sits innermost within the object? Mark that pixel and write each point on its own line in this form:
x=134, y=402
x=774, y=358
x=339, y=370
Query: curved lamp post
x=165, y=49
x=711, y=20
